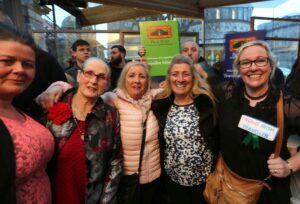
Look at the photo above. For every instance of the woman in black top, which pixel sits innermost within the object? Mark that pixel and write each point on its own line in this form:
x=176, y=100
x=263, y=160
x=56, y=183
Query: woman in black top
x=186, y=112
x=246, y=153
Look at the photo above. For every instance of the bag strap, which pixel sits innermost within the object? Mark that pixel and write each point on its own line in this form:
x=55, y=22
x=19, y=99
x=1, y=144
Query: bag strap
x=280, y=122
x=142, y=148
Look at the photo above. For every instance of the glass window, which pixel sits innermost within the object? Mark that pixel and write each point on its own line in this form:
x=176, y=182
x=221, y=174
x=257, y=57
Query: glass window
x=59, y=44
x=131, y=44
x=217, y=13
x=233, y=16
x=218, y=22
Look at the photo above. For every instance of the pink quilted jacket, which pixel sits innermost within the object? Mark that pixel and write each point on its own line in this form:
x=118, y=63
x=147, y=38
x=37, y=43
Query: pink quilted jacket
x=132, y=115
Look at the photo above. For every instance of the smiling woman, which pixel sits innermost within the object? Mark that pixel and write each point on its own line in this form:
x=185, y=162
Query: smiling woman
x=133, y=99
x=87, y=140
x=24, y=179
x=247, y=153
x=186, y=112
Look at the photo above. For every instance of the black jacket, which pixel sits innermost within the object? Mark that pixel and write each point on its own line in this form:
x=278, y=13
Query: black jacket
x=207, y=128
x=8, y=167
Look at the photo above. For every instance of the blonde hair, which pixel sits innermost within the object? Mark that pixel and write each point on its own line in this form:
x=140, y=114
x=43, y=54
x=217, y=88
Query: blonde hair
x=200, y=86
x=263, y=44
x=128, y=66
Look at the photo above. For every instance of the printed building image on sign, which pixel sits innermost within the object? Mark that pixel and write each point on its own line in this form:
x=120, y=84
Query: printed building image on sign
x=235, y=43
x=161, y=41
x=155, y=32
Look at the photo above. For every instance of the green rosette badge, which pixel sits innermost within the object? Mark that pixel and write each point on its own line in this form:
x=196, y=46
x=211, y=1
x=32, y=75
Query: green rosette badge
x=251, y=139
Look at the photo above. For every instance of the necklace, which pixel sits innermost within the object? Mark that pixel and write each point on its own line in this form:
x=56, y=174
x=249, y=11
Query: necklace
x=78, y=112
x=78, y=127
x=256, y=97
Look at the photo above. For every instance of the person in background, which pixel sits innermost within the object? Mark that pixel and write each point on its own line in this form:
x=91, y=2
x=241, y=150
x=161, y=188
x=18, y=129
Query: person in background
x=86, y=130
x=186, y=113
x=48, y=71
x=191, y=49
x=278, y=78
x=27, y=146
x=244, y=152
x=218, y=69
x=116, y=64
x=80, y=51
x=292, y=110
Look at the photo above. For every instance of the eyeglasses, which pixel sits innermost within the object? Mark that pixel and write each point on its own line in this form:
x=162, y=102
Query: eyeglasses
x=260, y=62
x=90, y=75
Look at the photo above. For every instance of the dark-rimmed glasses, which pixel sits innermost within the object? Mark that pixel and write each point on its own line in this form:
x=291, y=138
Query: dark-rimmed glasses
x=260, y=62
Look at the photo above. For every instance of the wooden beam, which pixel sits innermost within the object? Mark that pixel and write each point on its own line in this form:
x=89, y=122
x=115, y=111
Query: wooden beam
x=179, y=7
x=106, y=13
x=214, y=3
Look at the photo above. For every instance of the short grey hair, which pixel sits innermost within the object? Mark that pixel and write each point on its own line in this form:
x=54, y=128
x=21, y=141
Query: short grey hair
x=95, y=59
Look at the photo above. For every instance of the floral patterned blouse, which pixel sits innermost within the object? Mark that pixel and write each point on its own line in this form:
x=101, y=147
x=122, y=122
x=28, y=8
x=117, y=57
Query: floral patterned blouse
x=187, y=158
x=34, y=147
x=102, y=144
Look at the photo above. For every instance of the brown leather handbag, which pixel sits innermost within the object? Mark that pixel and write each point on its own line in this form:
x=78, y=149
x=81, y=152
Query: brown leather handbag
x=223, y=186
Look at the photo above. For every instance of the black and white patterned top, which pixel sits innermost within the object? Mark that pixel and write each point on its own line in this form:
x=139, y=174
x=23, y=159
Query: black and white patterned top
x=187, y=159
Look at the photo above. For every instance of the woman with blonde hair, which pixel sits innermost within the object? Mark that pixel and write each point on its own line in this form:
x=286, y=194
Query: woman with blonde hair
x=133, y=98
x=186, y=113
x=245, y=151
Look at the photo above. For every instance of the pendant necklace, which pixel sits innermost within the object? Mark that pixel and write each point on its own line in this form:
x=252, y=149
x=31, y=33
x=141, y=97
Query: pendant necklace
x=78, y=127
x=256, y=97
x=76, y=120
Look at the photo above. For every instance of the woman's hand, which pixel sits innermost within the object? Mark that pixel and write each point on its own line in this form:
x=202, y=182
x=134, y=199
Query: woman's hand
x=162, y=84
x=52, y=94
x=278, y=167
x=142, y=51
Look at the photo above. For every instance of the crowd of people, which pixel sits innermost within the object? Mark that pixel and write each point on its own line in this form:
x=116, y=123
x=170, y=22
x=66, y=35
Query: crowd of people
x=107, y=124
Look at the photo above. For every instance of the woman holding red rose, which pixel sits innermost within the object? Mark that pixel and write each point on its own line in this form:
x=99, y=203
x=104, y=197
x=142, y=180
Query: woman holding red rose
x=88, y=163
x=25, y=145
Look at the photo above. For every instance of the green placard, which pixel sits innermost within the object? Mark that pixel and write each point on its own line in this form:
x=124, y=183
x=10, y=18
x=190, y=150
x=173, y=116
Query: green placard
x=161, y=40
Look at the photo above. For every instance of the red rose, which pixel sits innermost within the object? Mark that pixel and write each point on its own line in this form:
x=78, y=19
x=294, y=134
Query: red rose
x=59, y=113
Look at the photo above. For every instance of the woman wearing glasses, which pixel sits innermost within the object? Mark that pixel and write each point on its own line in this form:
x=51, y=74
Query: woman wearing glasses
x=88, y=162
x=132, y=99
x=245, y=152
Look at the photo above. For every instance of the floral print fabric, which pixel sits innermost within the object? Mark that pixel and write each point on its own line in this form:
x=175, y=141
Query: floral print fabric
x=34, y=147
x=102, y=144
x=187, y=158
